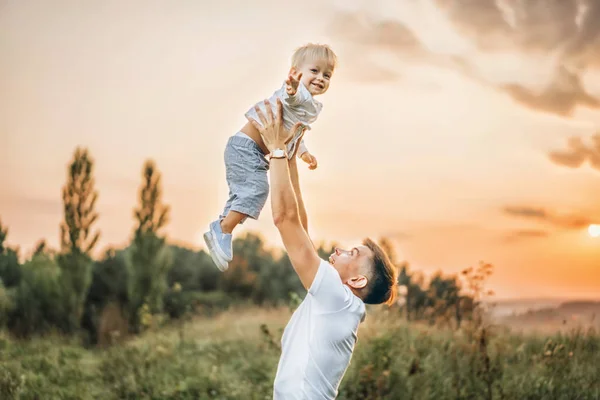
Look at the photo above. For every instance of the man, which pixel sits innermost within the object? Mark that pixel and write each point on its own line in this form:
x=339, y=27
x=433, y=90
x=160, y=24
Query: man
x=319, y=339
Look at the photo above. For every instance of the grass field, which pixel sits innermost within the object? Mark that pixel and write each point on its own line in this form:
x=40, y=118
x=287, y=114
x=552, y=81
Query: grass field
x=235, y=355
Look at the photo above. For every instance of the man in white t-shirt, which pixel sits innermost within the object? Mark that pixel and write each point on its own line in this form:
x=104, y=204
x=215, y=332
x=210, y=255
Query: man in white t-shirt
x=319, y=339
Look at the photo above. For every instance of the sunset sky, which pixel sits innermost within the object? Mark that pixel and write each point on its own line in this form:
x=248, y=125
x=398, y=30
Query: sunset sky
x=463, y=130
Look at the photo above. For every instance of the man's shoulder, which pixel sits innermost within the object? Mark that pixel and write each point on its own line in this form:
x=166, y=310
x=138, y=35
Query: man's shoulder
x=331, y=293
x=327, y=272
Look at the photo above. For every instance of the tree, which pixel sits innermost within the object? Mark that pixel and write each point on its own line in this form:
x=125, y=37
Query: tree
x=40, y=247
x=77, y=238
x=79, y=199
x=3, y=234
x=36, y=309
x=444, y=294
x=149, y=258
x=109, y=286
x=10, y=270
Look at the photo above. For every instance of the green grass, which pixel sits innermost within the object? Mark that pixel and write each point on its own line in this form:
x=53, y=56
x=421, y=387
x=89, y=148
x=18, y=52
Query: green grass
x=232, y=357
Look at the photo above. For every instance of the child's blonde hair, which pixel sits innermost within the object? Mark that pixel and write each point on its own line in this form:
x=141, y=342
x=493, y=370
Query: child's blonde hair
x=312, y=51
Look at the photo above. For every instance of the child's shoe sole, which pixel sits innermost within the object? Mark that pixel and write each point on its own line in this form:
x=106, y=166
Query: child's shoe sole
x=210, y=243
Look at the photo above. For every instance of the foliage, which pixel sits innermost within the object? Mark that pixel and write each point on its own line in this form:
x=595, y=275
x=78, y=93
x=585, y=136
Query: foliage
x=149, y=258
x=38, y=304
x=10, y=273
x=448, y=350
x=77, y=239
x=237, y=358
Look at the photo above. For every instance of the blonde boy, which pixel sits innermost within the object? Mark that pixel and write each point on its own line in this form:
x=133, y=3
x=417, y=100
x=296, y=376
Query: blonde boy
x=246, y=163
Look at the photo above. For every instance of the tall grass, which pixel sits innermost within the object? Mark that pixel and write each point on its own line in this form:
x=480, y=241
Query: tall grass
x=234, y=356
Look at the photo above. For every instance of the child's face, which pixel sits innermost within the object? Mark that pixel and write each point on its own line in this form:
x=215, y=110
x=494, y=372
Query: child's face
x=316, y=75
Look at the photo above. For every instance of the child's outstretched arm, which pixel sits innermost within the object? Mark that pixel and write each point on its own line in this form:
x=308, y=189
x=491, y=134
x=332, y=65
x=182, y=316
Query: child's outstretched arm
x=302, y=147
x=292, y=85
x=292, y=82
x=306, y=156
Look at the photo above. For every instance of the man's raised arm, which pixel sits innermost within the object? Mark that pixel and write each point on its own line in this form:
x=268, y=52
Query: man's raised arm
x=293, y=165
x=284, y=204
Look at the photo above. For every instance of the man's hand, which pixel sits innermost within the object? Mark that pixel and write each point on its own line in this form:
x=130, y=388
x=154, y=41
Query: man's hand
x=292, y=82
x=272, y=130
x=309, y=159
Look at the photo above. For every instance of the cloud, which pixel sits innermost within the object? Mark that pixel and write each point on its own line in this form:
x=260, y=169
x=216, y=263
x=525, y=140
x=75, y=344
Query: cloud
x=572, y=221
x=565, y=29
x=556, y=34
x=525, y=234
x=577, y=153
x=526, y=212
x=583, y=47
x=364, y=37
x=480, y=20
x=526, y=25
x=364, y=31
x=560, y=97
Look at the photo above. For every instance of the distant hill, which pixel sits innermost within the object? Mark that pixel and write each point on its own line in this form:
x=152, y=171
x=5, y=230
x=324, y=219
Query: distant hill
x=548, y=314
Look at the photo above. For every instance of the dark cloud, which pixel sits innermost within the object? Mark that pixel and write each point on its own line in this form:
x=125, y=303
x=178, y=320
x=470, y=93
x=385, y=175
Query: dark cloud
x=545, y=216
x=525, y=234
x=539, y=25
x=560, y=97
x=543, y=25
x=569, y=30
x=577, y=153
x=584, y=45
x=480, y=20
x=526, y=212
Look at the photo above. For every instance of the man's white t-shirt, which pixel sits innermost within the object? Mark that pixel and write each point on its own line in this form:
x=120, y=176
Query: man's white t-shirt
x=319, y=339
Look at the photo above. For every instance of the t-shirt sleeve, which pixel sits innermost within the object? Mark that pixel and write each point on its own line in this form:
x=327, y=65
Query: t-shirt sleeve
x=302, y=148
x=328, y=290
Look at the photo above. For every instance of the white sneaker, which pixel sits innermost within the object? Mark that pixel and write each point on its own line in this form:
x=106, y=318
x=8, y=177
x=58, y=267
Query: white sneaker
x=212, y=244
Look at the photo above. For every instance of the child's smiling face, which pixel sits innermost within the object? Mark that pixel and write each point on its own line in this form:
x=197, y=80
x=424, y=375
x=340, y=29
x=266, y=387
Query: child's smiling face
x=316, y=75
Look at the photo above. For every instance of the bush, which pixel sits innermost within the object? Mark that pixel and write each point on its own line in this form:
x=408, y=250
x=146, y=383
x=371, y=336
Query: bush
x=38, y=298
x=392, y=360
x=179, y=302
x=6, y=305
x=10, y=270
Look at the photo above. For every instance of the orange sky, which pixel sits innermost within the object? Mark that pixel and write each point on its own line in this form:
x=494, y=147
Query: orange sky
x=455, y=119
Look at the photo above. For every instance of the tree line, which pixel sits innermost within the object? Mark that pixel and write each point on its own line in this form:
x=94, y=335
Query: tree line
x=150, y=281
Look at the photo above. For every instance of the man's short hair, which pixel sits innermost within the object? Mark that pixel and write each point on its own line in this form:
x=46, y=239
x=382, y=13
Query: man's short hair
x=312, y=51
x=382, y=285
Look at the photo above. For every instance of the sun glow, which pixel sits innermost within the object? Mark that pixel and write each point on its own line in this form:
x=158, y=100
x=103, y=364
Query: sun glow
x=594, y=230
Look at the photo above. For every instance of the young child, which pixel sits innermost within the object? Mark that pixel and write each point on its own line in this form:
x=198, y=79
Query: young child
x=246, y=163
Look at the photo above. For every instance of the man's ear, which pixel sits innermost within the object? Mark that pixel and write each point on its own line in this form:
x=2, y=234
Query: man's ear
x=358, y=282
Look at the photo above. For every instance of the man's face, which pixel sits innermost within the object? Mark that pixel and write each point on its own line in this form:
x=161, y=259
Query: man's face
x=351, y=263
x=316, y=75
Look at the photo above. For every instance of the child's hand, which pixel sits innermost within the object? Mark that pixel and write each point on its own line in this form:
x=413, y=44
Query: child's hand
x=310, y=160
x=292, y=82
